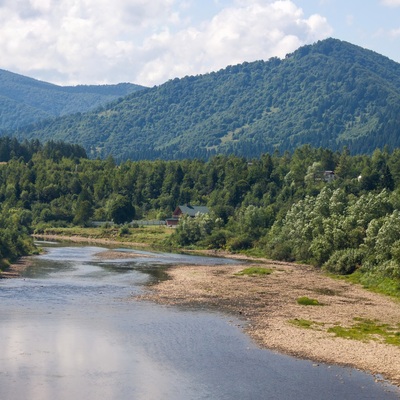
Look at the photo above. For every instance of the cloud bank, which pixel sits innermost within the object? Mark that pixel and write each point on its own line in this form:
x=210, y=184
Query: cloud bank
x=98, y=41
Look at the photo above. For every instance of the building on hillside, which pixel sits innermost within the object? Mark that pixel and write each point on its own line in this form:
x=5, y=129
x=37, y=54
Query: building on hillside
x=329, y=176
x=187, y=209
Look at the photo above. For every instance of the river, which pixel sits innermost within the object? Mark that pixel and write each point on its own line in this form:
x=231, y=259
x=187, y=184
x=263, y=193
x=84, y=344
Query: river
x=72, y=329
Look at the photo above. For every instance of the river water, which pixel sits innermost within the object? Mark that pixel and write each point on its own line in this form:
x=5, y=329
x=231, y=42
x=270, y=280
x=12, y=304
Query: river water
x=70, y=329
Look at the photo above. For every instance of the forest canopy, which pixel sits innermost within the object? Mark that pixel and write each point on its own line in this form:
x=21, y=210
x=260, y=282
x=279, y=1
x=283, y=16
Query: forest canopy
x=26, y=100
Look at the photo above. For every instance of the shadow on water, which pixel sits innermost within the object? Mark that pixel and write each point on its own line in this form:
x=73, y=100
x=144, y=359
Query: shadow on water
x=156, y=273
x=71, y=329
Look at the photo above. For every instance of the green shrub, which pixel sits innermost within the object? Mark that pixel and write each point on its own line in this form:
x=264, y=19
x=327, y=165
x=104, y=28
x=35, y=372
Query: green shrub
x=306, y=301
x=240, y=243
x=217, y=239
x=280, y=251
x=124, y=230
x=344, y=262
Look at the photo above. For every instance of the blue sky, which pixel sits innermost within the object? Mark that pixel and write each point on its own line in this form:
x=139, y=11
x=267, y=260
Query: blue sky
x=148, y=42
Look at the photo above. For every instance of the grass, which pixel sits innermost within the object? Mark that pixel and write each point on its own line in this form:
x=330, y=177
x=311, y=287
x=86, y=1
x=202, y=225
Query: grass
x=306, y=301
x=254, y=271
x=4, y=264
x=374, y=283
x=383, y=285
x=254, y=252
x=303, y=323
x=363, y=330
x=152, y=236
x=366, y=329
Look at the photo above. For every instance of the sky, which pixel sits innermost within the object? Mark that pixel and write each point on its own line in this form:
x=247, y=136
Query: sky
x=148, y=42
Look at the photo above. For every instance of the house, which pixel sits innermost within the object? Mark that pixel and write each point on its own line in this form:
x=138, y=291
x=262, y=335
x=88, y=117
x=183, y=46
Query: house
x=329, y=176
x=187, y=209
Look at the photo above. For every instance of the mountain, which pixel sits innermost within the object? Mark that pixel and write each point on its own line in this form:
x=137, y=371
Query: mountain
x=329, y=94
x=25, y=100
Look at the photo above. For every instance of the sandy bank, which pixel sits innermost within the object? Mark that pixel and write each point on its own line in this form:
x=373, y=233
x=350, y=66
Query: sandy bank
x=116, y=255
x=269, y=303
x=15, y=269
x=81, y=239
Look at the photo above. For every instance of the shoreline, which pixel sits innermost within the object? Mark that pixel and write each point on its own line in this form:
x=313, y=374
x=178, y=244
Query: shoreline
x=267, y=304
x=15, y=269
x=83, y=239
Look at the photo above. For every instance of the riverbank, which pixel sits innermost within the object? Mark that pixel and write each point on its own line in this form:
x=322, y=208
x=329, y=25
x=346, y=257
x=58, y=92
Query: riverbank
x=89, y=240
x=273, y=318
x=145, y=236
x=15, y=269
x=271, y=315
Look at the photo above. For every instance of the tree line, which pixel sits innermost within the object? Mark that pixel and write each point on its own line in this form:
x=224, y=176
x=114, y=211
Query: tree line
x=285, y=206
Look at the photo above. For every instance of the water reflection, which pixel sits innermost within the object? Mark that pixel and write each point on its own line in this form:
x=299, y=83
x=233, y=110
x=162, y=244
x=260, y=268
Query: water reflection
x=69, y=329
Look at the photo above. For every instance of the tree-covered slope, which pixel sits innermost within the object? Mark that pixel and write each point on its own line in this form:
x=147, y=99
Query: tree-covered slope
x=328, y=94
x=25, y=100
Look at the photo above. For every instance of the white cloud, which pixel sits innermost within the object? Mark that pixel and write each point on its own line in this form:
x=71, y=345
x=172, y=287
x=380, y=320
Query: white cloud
x=249, y=31
x=395, y=33
x=391, y=3
x=98, y=41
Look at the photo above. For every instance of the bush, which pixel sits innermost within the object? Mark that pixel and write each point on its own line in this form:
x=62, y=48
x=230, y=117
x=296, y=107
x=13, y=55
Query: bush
x=240, y=243
x=188, y=232
x=306, y=301
x=191, y=231
x=281, y=251
x=344, y=262
x=217, y=239
x=124, y=230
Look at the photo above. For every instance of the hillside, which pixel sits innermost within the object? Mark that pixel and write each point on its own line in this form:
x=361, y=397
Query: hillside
x=328, y=94
x=25, y=100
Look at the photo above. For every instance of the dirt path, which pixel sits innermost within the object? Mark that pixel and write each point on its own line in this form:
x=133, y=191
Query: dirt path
x=269, y=303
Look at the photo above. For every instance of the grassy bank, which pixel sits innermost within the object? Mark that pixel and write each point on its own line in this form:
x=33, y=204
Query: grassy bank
x=373, y=282
x=148, y=236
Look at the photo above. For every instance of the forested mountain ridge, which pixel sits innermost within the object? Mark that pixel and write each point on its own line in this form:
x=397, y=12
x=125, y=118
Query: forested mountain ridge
x=25, y=100
x=329, y=94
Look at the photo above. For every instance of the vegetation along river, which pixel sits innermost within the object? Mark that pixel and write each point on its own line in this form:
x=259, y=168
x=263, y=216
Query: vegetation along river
x=72, y=329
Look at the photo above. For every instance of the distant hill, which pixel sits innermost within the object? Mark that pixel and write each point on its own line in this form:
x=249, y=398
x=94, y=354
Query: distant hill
x=328, y=94
x=25, y=100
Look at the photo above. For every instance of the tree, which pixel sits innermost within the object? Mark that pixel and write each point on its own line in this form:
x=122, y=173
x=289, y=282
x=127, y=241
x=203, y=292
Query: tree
x=315, y=173
x=121, y=209
x=83, y=212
